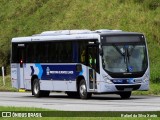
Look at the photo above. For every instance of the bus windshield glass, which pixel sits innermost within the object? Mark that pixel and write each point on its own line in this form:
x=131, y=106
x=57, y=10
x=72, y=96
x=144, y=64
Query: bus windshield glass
x=126, y=57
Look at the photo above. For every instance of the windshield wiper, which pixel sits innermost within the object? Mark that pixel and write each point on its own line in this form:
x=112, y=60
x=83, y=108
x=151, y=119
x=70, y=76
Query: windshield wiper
x=125, y=55
x=127, y=58
x=131, y=51
x=118, y=50
x=122, y=53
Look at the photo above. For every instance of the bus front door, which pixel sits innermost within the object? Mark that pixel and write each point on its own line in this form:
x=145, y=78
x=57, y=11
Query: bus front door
x=92, y=64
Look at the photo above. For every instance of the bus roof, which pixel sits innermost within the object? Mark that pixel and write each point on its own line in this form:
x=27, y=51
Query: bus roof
x=70, y=35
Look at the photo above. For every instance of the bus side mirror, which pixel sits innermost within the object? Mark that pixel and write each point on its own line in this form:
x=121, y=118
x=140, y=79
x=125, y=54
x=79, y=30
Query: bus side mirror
x=101, y=52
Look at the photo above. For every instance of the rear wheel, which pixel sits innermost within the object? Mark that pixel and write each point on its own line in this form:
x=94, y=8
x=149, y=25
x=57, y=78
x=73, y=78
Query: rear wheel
x=125, y=95
x=36, y=90
x=83, y=90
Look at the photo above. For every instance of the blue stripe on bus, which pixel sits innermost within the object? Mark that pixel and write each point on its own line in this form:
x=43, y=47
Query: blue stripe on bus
x=40, y=70
x=81, y=73
x=58, y=72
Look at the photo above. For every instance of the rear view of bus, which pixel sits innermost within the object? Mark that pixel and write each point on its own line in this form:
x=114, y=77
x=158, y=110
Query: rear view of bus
x=125, y=63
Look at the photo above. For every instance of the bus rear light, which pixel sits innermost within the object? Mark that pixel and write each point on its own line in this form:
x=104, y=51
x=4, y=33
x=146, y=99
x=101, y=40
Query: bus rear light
x=21, y=63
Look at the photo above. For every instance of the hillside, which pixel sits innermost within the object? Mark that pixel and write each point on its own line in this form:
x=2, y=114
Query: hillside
x=27, y=17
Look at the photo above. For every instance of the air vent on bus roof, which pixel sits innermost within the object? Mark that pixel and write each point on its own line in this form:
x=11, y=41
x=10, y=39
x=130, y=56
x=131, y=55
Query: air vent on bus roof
x=79, y=31
x=107, y=30
x=65, y=32
x=57, y=32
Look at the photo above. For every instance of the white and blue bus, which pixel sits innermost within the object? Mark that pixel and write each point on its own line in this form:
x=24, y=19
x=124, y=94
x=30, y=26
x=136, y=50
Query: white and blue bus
x=81, y=63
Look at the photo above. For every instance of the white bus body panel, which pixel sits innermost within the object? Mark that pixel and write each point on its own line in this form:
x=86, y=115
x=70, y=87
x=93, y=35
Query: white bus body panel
x=17, y=76
x=14, y=76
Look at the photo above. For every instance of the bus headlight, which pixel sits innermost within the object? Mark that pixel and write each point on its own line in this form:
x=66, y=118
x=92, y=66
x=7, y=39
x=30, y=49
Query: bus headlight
x=146, y=78
x=106, y=79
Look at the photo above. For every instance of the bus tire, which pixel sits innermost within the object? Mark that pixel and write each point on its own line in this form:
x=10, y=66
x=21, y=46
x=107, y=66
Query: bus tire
x=36, y=88
x=83, y=90
x=125, y=95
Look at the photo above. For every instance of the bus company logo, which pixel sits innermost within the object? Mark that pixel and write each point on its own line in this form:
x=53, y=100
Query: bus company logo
x=47, y=71
x=6, y=114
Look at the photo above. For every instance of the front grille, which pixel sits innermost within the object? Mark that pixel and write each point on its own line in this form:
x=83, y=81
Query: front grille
x=133, y=87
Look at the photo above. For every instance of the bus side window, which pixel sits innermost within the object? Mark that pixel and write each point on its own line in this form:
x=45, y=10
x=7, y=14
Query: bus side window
x=21, y=54
x=14, y=53
x=83, y=54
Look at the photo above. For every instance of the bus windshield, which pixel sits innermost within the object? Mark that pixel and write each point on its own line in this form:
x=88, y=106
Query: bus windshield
x=124, y=58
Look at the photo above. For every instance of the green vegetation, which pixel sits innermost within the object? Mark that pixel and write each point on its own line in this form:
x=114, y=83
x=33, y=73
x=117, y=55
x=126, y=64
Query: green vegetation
x=82, y=118
x=154, y=90
x=27, y=17
x=62, y=114
x=10, y=108
x=7, y=86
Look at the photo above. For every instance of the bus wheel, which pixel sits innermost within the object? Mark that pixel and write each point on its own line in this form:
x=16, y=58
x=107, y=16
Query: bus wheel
x=83, y=90
x=36, y=88
x=125, y=95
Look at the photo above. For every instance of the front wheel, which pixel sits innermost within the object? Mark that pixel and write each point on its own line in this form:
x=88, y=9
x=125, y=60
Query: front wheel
x=125, y=95
x=83, y=90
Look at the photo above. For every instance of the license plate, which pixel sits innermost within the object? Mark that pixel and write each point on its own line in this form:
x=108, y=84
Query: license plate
x=127, y=89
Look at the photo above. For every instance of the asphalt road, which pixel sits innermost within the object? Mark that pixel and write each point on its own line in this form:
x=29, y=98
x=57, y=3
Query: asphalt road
x=60, y=101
